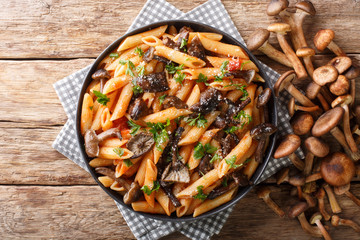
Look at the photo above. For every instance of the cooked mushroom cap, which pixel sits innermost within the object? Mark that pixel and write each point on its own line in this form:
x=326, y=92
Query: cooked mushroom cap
x=306, y=6
x=325, y=74
x=101, y=74
x=305, y=52
x=297, y=209
x=281, y=28
x=316, y=216
x=283, y=81
x=263, y=98
x=133, y=194
x=341, y=63
x=257, y=39
x=340, y=86
x=247, y=75
x=140, y=144
x=288, y=145
x=262, y=131
x=341, y=101
x=196, y=49
x=352, y=72
x=173, y=101
x=91, y=143
x=317, y=147
x=337, y=169
x=323, y=38
x=276, y=6
x=154, y=82
x=138, y=109
x=327, y=121
x=209, y=100
x=302, y=123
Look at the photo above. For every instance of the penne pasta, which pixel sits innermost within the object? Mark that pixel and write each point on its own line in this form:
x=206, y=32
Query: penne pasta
x=179, y=57
x=210, y=73
x=113, y=142
x=123, y=102
x=245, y=64
x=99, y=162
x=194, y=96
x=164, y=201
x=143, y=206
x=140, y=175
x=106, y=124
x=152, y=41
x=86, y=113
x=109, y=153
x=185, y=90
x=212, y=36
x=150, y=178
x=106, y=181
x=167, y=114
x=116, y=83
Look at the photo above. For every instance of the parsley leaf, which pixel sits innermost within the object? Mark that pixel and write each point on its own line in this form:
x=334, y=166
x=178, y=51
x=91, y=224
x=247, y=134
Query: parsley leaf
x=243, y=117
x=183, y=45
x=215, y=158
x=179, y=78
x=224, y=182
x=231, y=129
x=140, y=70
x=241, y=88
x=209, y=148
x=172, y=69
x=128, y=162
x=130, y=67
x=101, y=98
x=91, y=107
x=200, y=121
x=162, y=98
x=139, y=51
x=218, y=78
x=136, y=88
x=200, y=150
x=159, y=132
x=147, y=191
x=202, y=78
x=134, y=127
x=223, y=71
x=114, y=55
x=119, y=151
x=200, y=195
x=243, y=64
x=231, y=161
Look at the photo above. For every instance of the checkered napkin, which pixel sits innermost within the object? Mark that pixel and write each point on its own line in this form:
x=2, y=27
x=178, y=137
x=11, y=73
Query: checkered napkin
x=214, y=14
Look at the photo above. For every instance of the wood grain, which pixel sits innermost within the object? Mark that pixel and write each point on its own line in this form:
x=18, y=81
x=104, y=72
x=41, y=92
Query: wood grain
x=73, y=29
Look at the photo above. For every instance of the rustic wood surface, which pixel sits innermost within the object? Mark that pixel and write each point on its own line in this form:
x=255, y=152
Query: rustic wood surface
x=43, y=194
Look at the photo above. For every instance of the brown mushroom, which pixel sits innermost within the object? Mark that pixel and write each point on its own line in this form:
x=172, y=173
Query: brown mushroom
x=247, y=75
x=209, y=100
x=92, y=140
x=352, y=73
x=335, y=208
x=173, y=101
x=325, y=105
x=298, y=211
x=306, y=53
x=324, y=39
x=102, y=75
x=302, y=123
x=337, y=221
x=281, y=29
x=153, y=82
x=345, y=189
x=344, y=101
x=316, y=147
x=321, y=76
x=287, y=148
x=292, y=107
x=341, y=63
x=237, y=180
x=276, y=6
x=263, y=98
x=337, y=169
x=309, y=199
x=258, y=40
x=264, y=193
x=140, y=144
x=316, y=219
x=138, y=109
x=320, y=196
x=285, y=82
x=261, y=132
x=340, y=87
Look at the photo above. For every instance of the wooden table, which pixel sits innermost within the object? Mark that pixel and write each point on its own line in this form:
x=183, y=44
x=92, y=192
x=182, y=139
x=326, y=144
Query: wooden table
x=43, y=194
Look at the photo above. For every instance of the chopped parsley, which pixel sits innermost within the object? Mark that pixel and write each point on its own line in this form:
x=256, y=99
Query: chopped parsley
x=101, y=98
x=223, y=71
x=147, y=191
x=179, y=78
x=159, y=132
x=140, y=70
x=224, y=182
x=162, y=98
x=243, y=117
x=199, y=121
x=243, y=64
x=119, y=151
x=200, y=150
x=231, y=161
x=178, y=119
x=215, y=158
x=134, y=127
x=202, y=78
x=231, y=129
x=128, y=162
x=183, y=45
x=130, y=67
x=139, y=51
x=91, y=107
x=114, y=55
x=241, y=88
x=200, y=195
x=136, y=88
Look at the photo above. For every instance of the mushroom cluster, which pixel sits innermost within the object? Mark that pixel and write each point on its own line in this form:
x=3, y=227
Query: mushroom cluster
x=322, y=103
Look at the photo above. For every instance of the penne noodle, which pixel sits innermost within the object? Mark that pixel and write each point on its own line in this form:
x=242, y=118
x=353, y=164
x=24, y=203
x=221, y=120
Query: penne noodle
x=174, y=87
x=94, y=85
x=246, y=64
x=167, y=114
x=179, y=57
x=150, y=66
x=185, y=90
x=228, y=85
x=116, y=83
x=186, y=202
x=106, y=124
x=210, y=73
x=152, y=41
x=258, y=78
x=167, y=35
x=156, y=103
x=150, y=177
x=148, y=98
x=164, y=201
x=195, y=133
x=250, y=168
x=125, y=167
x=106, y=181
x=159, y=151
x=135, y=40
x=117, y=187
x=113, y=142
x=222, y=48
x=123, y=102
x=96, y=123
x=143, y=206
x=212, y=36
x=99, y=162
x=108, y=153
x=121, y=68
x=132, y=170
x=159, y=67
x=140, y=175
x=86, y=113
x=194, y=96
x=185, y=152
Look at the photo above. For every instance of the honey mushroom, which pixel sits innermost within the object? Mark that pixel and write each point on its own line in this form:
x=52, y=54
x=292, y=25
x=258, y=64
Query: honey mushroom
x=287, y=148
x=316, y=147
x=345, y=189
x=324, y=39
x=321, y=76
x=293, y=107
x=302, y=123
x=281, y=30
x=296, y=179
x=316, y=219
x=352, y=73
x=306, y=53
x=321, y=204
x=335, y=207
x=264, y=193
x=341, y=63
x=337, y=221
x=340, y=87
x=258, y=40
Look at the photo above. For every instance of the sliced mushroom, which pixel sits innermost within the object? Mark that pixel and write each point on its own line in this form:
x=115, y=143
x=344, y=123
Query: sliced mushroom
x=209, y=100
x=168, y=190
x=261, y=132
x=149, y=54
x=247, y=75
x=205, y=166
x=183, y=34
x=140, y=144
x=138, y=109
x=154, y=82
x=234, y=109
x=196, y=49
x=173, y=101
x=229, y=142
x=102, y=75
x=170, y=43
x=263, y=98
x=133, y=194
x=92, y=140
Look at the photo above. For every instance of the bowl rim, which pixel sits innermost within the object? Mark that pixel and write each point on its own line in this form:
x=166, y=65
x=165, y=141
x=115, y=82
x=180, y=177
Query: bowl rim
x=258, y=173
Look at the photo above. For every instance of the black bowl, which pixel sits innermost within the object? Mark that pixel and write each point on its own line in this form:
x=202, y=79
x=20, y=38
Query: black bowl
x=200, y=28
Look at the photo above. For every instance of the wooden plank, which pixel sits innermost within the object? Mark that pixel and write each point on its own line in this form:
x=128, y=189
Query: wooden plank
x=28, y=158
x=82, y=211
x=62, y=29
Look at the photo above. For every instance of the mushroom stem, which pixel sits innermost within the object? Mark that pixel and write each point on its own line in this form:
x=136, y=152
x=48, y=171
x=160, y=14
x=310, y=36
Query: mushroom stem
x=313, y=231
x=313, y=177
x=335, y=208
x=320, y=196
x=336, y=49
x=297, y=161
x=309, y=199
x=303, y=100
x=353, y=198
x=337, y=221
x=309, y=66
x=327, y=95
x=323, y=102
x=352, y=91
x=322, y=230
x=306, y=109
x=275, y=54
x=309, y=159
x=264, y=193
x=347, y=131
x=340, y=137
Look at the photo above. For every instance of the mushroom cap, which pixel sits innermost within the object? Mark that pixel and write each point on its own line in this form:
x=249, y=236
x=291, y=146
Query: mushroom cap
x=323, y=38
x=133, y=194
x=257, y=39
x=316, y=216
x=341, y=101
x=337, y=169
x=340, y=86
x=289, y=144
x=325, y=74
x=291, y=107
x=281, y=28
x=140, y=144
x=91, y=143
x=297, y=180
x=263, y=97
x=306, y=6
x=262, y=131
x=276, y=6
x=302, y=123
x=297, y=209
x=352, y=72
x=317, y=146
x=283, y=81
x=101, y=74
x=341, y=63
x=342, y=189
x=305, y=52
x=327, y=121
x=312, y=90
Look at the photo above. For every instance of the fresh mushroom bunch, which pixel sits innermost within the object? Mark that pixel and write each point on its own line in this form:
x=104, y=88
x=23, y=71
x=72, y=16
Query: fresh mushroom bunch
x=322, y=104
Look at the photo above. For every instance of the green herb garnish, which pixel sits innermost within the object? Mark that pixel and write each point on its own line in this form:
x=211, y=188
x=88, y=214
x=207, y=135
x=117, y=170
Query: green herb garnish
x=215, y=158
x=128, y=162
x=136, y=88
x=200, y=150
x=231, y=129
x=243, y=64
x=140, y=70
x=231, y=161
x=199, y=121
x=130, y=67
x=179, y=77
x=224, y=182
x=183, y=45
x=159, y=132
x=139, y=51
x=223, y=71
x=200, y=195
x=147, y=191
x=172, y=69
x=202, y=78
x=243, y=117
x=119, y=151
x=101, y=98
x=162, y=98
x=134, y=127
x=91, y=107
x=114, y=55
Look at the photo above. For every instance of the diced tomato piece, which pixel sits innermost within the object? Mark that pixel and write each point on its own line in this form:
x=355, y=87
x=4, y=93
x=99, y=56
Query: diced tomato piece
x=234, y=64
x=125, y=133
x=121, y=123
